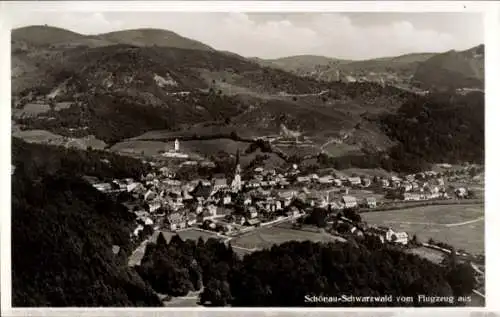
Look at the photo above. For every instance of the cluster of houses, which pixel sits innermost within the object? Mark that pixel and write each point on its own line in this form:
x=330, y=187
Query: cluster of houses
x=161, y=200
x=385, y=234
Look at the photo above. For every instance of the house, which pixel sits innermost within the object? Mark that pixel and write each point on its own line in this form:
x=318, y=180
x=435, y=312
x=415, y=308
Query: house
x=335, y=205
x=252, y=213
x=154, y=205
x=203, y=216
x=247, y=200
x=371, y=202
x=461, y=192
x=103, y=187
x=349, y=201
x=253, y=184
x=239, y=219
x=191, y=219
x=406, y=186
x=295, y=211
x=384, y=182
x=253, y=222
x=202, y=191
x=303, y=179
x=258, y=170
x=366, y=182
x=414, y=186
x=411, y=196
x=388, y=235
x=150, y=195
x=313, y=177
x=337, y=182
x=354, y=181
x=283, y=183
x=226, y=200
x=326, y=179
x=176, y=221
x=212, y=210
x=132, y=186
x=355, y=231
x=219, y=183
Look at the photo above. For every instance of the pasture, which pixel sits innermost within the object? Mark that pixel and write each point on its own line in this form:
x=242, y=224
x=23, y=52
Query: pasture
x=459, y=225
x=267, y=237
x=190, y=234
x=148, y=148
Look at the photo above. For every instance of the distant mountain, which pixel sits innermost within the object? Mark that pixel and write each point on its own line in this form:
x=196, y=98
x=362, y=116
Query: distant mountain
x=153, y=37
x=43, y=35
x=300, y=64
x=61, y=38
x=453, y=70
x=448, y=70
x=390, y=70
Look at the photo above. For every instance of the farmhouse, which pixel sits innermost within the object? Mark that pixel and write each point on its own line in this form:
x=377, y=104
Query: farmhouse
x=218, y=184
x=354, y=181
x=175, y=221
x=253, y=222
x=202, y=191
x=411, y=196
x=388, y=235
x=371, y=202
x=349, y=201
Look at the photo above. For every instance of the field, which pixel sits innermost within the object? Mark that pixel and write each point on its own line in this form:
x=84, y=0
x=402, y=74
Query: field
x=459, y=225
x=267, y=237
x=149, y=148
x=46, y=137
x=337, y=150
x=190, y=234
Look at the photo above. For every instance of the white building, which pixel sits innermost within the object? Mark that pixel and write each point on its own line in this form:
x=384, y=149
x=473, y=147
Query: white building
x=349, y=201
x=176, y=145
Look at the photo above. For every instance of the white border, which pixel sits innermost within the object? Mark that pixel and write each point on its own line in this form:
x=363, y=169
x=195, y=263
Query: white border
x=492, y=162
x=492, y=41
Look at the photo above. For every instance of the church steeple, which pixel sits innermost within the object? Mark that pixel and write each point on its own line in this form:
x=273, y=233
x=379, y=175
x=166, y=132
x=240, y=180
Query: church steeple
x=236, y=183
x=238, y=168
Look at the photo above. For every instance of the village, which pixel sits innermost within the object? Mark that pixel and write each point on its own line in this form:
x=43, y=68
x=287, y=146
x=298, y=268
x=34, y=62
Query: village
x=235, y=206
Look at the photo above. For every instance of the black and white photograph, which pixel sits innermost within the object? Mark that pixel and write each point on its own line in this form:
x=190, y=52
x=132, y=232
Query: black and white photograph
x=247, y=159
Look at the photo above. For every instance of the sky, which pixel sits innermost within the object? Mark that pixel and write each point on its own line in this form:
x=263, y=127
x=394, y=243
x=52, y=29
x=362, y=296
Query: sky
x=350, y=35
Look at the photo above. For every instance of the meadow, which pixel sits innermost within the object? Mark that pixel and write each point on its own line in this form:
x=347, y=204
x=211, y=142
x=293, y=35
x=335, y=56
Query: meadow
x=459, y=225
x=267, y=237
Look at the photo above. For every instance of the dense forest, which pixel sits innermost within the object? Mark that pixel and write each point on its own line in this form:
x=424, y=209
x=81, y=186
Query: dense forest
x=286, y=273
x=63, y=231
x=438, y=128
x=47, y=159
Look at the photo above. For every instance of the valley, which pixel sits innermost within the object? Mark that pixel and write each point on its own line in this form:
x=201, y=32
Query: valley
x=199, y=176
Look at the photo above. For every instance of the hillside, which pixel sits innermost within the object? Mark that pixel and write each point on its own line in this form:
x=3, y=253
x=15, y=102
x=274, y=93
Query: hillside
x=452, y=70
x=449, y=70
x=116, y=92
x=174, y=87
x=73, y=227
x=43, y=35
x=153, y=37
x=392, y=70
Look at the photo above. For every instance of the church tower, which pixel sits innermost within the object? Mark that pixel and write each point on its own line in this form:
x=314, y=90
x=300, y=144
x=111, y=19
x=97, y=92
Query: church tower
x=236, y=184
x=176, y=145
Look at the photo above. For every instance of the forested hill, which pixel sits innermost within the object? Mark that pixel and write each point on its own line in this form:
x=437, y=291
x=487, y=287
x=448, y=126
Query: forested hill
x=63, y=232
x=439, y=128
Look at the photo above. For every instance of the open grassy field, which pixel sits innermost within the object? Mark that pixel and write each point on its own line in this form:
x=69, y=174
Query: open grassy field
x=46, y=137
x=190, y=234
x=149, y=148
x=267, y=237
x=336, y=150
x=459, y=225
